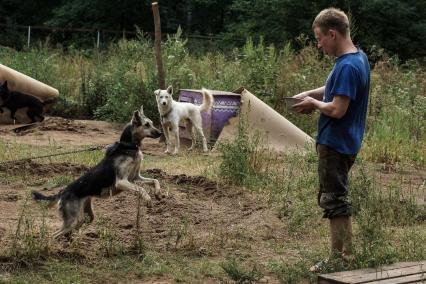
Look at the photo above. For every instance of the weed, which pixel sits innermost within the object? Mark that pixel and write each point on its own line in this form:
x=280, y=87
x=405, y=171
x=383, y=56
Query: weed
x=30, y=240
x=109, y=242
x=242, y=158
x=240, y=275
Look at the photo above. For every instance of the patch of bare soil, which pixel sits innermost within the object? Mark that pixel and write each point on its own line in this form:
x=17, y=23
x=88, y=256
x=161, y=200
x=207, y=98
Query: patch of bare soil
x=41, y=170
x=57, y=130
x=198, y=217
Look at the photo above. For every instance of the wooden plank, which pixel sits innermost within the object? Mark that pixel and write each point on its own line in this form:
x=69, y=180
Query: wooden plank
x=416, y=278
x=373, y=270
x=386, y=274
x=369, y=275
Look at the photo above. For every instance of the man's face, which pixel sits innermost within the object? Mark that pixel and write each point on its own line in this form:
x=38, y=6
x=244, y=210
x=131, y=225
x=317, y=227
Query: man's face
x=327, y=41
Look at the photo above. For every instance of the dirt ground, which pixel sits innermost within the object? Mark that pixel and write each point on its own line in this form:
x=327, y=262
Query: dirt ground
x=63, y=131
x=198, y=217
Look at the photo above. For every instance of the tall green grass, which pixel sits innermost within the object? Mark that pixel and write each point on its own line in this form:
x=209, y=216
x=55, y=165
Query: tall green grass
x=109, y=84
x=384, y=217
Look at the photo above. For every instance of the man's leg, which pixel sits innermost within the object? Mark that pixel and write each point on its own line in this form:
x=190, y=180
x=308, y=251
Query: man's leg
x=341, y=236
x=333, y=170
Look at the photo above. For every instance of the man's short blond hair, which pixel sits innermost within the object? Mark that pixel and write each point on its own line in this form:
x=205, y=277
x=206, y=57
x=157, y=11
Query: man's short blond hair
x=332, y=18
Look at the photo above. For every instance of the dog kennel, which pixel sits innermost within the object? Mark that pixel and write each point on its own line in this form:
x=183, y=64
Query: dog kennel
x=225, y=106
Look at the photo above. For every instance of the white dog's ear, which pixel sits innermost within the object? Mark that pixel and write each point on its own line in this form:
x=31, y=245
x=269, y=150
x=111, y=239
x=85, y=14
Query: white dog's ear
x=170, y=90
x=157, y=92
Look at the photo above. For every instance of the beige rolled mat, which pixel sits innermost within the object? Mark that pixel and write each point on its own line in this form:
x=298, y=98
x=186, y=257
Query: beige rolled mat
x=276, y=132
x=19, y=82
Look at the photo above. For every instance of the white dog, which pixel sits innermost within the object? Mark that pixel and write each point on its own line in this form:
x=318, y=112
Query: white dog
x=172, y=112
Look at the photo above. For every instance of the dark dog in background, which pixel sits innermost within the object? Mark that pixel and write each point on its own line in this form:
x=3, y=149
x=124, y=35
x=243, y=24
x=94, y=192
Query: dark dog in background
x=116, y=172
x=17, y=100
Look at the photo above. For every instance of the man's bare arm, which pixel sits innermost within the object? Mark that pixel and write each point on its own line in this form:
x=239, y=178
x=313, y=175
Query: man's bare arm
x=317, y=94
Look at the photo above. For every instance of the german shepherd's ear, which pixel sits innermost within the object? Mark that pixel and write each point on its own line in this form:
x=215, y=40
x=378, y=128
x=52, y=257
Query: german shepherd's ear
x=4, y=91
x=136, y=119
x=141, y=111
x=170, y=89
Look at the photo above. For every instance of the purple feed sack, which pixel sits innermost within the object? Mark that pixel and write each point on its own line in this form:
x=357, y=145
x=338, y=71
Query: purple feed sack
x=225, y=106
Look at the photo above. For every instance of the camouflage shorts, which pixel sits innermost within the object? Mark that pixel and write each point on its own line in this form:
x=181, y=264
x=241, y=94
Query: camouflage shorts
x=333, y=170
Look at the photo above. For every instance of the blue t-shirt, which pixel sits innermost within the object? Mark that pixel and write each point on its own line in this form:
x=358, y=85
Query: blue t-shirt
x=350, y=77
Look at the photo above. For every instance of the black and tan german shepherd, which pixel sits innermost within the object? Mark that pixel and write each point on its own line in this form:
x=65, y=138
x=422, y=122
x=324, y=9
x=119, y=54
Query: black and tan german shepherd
x=116, y=172
x=16, y=100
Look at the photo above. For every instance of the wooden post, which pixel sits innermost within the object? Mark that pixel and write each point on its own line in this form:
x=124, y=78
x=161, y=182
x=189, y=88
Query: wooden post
x=98, y=40
x=157, y=45
x=29, y=37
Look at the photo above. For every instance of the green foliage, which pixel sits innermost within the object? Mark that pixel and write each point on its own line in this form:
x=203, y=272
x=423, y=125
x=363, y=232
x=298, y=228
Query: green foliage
x=375, y=24
x=376, y=210
x=397, y=114
x=409, y=30
x=58, y=181
x=29, y=240
x=109, y=243
x=240, y=157
x=110, y=84
x=260, y=64
x=119, y=81
x=305, y=70
x=239, y=274
x=385, y=204
x=292, y=272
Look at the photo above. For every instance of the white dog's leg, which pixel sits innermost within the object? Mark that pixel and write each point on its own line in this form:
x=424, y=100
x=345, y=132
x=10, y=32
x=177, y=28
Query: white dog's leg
x=200, y=132
x=128, y=186
x=175, y=130
x=190, y=128
x=167, y=136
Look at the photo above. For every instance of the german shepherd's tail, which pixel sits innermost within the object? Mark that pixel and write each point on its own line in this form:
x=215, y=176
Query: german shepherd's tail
x=207, y=100
x=51, y=200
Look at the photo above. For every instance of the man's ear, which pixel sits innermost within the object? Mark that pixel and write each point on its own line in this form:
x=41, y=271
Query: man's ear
x=170, y=90
x=5, y=84
x=332, y=34
x=136, y=119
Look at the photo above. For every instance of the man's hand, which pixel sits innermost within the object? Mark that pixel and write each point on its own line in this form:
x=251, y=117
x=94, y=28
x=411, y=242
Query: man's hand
x=307, y=106
x=301, y=95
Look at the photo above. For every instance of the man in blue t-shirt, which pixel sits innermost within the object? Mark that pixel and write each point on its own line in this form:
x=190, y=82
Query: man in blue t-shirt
x=343, y=106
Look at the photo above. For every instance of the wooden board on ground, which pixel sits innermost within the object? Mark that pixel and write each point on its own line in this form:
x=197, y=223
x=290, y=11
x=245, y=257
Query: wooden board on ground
x=402, y=272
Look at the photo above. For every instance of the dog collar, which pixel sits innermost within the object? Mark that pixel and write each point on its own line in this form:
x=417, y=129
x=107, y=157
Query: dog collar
x=129, y=145
x=164, y=116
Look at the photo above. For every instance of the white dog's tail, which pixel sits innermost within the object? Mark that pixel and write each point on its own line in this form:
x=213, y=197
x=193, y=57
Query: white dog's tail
x=207, y=100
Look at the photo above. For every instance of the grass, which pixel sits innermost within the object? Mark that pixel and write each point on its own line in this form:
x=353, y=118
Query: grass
x=286, y=184
x=111, y=83
x=289, y=191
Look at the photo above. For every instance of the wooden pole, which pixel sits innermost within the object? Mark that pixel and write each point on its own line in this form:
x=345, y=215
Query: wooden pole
x=157, y=44
x=98, y=40
x=29, y=36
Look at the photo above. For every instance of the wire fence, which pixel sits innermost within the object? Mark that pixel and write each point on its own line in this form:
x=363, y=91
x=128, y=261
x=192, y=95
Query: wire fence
x=20, y=36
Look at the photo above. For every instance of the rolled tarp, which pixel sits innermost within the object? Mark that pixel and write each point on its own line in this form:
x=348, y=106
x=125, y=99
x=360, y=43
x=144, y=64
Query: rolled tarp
x=275, y=131
x=19, y=82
